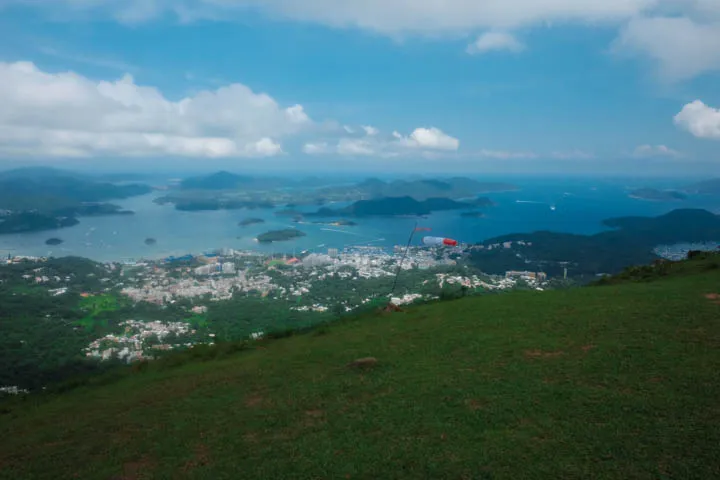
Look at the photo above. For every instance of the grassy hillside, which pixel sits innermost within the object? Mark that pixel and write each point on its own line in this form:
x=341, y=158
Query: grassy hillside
x=615, y=381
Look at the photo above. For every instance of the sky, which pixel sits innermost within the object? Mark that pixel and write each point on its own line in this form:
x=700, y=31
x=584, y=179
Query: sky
x=485, y=86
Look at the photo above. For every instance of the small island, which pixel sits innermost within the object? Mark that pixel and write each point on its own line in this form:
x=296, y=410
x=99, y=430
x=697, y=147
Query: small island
x=280, y=235
x=150, y=241
x=53, y=241
x=250, y=221
x=655, y=195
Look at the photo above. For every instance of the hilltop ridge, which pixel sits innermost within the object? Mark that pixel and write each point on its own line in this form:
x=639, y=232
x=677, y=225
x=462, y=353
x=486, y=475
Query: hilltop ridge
x=594, y=382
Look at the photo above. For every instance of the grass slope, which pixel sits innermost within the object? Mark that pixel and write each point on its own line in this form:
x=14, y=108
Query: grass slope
x=617, y=381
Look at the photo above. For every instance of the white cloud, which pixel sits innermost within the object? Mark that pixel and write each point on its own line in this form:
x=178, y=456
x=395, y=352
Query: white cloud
x=385, y=16
x=355, y=147
x=421, y=141
x=490, y=41
x=700, y=120
x=316, y=148
x=681, y=35
x=643, y=151
x=370, y=131
x=65, y=114
x=681, y=47
x=430, y=138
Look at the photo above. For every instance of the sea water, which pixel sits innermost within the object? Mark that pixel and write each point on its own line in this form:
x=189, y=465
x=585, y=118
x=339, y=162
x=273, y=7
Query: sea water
x=578, y=206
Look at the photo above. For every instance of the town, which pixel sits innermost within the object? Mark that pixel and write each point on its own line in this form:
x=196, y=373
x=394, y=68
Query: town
x=184, y=292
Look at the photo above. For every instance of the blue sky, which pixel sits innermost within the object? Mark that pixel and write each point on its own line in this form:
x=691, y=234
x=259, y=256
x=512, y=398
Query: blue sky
x=486, y=86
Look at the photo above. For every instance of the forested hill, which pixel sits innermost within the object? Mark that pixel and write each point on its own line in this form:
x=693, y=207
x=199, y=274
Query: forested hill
x=47, y=189
x=393, y=206
x=630, y=241
x=610, y=382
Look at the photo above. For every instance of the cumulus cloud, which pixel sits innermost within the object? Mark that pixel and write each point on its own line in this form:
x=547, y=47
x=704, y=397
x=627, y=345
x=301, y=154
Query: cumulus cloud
x=430, y=138
x=316, y=148
x=682, y=47
x=700, y=120
x=66, y=114
x=421, y=141
x=643, y=151
x=385, y=16
x=680, y=35
x=491, y=41
x=370, y=131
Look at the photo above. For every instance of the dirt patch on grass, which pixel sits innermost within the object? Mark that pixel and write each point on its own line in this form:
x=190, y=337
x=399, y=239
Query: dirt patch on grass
x=713, y=297
x=543, y=354
x=475, y=405
x=315, y=413
x=587, y=348
x=137, y=470
x=254, y=401
x=201, y=457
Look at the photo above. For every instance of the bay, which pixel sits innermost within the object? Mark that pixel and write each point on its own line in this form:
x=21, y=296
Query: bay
x=580, y=206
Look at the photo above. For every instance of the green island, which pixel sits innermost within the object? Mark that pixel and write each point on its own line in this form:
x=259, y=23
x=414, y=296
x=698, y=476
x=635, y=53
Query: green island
x=280, y=235
x=150, y=241
x=392, y=206
x=250, y=221
x=603, y=381
x=54, y=241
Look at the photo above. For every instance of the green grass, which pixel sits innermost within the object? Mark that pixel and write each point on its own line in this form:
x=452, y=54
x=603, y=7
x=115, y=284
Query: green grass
x=94, y=306
x=611, y=382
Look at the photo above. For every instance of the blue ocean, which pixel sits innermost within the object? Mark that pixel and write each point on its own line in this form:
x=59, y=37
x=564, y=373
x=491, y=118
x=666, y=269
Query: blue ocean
x=573, y=206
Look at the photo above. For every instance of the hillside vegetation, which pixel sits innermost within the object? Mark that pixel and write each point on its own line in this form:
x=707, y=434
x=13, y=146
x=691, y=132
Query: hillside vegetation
x=614, y=381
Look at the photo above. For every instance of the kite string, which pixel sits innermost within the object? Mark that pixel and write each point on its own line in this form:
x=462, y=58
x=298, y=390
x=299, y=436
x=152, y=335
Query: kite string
x=402, y=260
